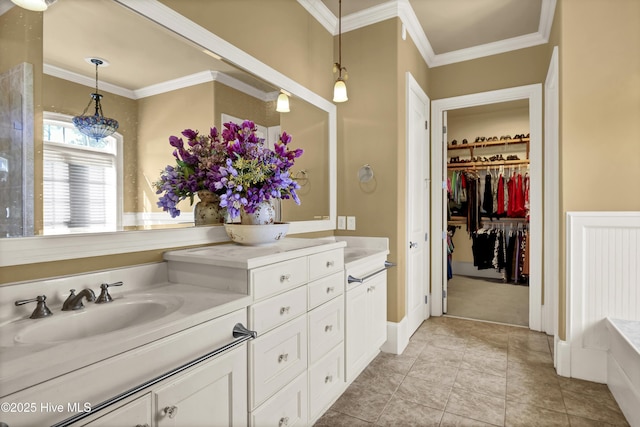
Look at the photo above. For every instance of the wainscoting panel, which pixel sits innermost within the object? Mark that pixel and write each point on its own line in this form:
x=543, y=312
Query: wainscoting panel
x=603, y=276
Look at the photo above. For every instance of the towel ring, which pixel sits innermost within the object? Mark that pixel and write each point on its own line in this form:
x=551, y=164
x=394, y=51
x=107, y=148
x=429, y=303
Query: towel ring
x=365, y=173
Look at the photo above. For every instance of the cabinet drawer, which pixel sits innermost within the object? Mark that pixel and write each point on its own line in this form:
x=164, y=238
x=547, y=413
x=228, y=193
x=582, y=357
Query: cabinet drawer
x=276, y=358
x=325, y=263
x=277, y=278
x=137, y=412
x=326, y=381
x=323, y=290
x=326, y=328
x=287, y=408
x=266, y=315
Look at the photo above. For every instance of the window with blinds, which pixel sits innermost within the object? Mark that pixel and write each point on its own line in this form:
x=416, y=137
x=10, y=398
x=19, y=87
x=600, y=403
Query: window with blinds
x=79, y=181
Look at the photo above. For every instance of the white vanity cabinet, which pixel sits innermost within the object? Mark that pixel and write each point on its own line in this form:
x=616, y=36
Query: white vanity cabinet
x=366, y=315
x=296, y=364
x=134, y=413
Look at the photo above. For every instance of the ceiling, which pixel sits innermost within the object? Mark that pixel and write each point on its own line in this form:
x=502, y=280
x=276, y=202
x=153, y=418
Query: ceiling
x=448, y=31
x=445, y=31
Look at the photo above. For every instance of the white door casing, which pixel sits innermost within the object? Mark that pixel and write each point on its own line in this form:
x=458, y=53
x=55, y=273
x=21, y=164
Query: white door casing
x=417, y=268
x=444, y=279
x=438, y=167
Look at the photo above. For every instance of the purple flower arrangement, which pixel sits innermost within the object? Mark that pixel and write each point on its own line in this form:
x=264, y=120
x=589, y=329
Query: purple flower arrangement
x=235, y=164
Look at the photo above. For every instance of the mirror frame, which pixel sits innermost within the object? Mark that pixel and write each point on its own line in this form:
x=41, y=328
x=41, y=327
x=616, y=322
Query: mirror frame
x=37, y=249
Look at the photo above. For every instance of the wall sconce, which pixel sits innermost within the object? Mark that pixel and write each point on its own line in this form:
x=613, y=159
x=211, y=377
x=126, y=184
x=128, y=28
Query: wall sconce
x=34, y=5
x=97, y=126
x=340, y=88
x=282, y=105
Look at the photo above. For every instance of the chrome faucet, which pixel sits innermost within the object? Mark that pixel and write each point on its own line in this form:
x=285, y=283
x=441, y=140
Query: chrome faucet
x=74, y=302
x=104, y=293
x=41, y=308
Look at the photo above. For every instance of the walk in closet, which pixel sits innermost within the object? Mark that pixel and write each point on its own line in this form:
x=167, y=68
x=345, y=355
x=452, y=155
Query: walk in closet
x=488, y=187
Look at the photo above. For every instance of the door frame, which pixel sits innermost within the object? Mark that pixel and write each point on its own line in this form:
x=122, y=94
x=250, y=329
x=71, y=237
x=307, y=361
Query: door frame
x=533, y=93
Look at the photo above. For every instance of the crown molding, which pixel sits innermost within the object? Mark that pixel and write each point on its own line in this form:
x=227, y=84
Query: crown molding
x=402, y=9
x=61, y=73
x=168, y=86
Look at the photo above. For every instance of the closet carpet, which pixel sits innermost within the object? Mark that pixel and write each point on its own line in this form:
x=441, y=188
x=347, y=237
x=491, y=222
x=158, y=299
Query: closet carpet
x=488, y=299
x=458, y=372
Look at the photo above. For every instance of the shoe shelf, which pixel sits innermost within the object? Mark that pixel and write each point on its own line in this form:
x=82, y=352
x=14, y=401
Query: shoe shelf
x=483, y=165
x=487, y=164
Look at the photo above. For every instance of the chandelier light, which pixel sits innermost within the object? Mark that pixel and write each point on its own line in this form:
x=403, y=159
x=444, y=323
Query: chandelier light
x=340, y=88
x=97, y=126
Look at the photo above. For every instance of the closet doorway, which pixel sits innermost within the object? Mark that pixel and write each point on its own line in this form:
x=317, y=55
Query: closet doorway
x=487, y=155
x=529, y=97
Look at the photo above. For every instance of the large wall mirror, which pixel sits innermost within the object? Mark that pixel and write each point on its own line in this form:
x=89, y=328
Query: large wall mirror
x=164, y=74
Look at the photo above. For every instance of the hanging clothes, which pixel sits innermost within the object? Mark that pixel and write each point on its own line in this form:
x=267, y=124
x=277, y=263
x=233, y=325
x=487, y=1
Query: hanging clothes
x=487, y=199
x=500, y=191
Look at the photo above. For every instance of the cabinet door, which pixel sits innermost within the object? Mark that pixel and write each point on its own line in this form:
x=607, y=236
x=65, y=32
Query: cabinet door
x=356, y=318
x=377, y=292
x=132, y=414
x=212, y=394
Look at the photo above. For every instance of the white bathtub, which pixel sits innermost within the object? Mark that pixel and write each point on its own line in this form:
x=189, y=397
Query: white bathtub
x=623, y=366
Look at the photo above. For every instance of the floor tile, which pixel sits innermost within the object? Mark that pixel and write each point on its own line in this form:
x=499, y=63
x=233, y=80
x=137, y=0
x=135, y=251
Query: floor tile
x=535, y=391
x=361, y=403
x=441, y=375
x=459, y=372
x=452, y=420
x=441, y=355
x=481, y=382
x=523, y=415
x=423, y=392
x=403, y=413
x=379, y=381
x=599, y=409
x=336, y=419
x=398, y=363
x=484, y=361
x=478, y=406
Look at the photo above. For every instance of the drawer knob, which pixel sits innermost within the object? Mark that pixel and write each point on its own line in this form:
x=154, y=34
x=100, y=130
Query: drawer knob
x=170, y=411
x=284, y=310
x=369, y=289
x=285, y=278
x=329, y=264
x=328, y=379
x=330, y=289
x=283, y=357
x=328, y=328
x=284, y=421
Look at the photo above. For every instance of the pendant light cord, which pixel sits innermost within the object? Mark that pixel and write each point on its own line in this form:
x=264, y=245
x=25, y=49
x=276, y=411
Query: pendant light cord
x=340, y=37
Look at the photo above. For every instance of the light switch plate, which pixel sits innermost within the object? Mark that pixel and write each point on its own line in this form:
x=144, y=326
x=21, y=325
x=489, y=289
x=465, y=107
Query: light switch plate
x=342, y=222
x=351, y=223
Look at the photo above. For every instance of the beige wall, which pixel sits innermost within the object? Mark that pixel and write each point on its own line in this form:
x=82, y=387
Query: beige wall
x=599, y=111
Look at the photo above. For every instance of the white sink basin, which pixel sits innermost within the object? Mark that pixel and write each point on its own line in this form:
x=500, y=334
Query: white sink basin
x=94, y=319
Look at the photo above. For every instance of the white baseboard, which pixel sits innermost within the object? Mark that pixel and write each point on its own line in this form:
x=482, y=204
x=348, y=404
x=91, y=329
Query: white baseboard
x=562, y=357
x=397, y=337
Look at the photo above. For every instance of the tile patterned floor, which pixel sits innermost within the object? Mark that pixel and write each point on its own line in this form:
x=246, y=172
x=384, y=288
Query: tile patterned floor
x=458, y=372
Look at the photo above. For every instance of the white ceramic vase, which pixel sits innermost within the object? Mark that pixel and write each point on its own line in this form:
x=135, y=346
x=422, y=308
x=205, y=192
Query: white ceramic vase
x=265, y=213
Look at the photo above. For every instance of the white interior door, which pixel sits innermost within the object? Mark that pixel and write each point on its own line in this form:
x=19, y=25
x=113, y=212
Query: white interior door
x=417, y=204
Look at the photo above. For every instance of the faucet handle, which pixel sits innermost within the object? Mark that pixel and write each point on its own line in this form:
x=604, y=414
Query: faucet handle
x=104, y=293
x=41, y=309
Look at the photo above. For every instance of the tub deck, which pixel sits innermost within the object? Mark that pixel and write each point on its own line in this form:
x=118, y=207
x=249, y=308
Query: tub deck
x=623, y=366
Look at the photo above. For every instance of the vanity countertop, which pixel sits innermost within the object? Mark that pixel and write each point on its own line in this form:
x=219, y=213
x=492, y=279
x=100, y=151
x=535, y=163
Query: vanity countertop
x=363, y=249
x=23, y=364
x=234, y=255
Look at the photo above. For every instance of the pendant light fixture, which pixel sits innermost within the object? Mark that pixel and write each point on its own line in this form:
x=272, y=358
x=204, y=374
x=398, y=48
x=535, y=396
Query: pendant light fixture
x=97, y=126
x=340, y=88
x=34, y=5
x=282, y=104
